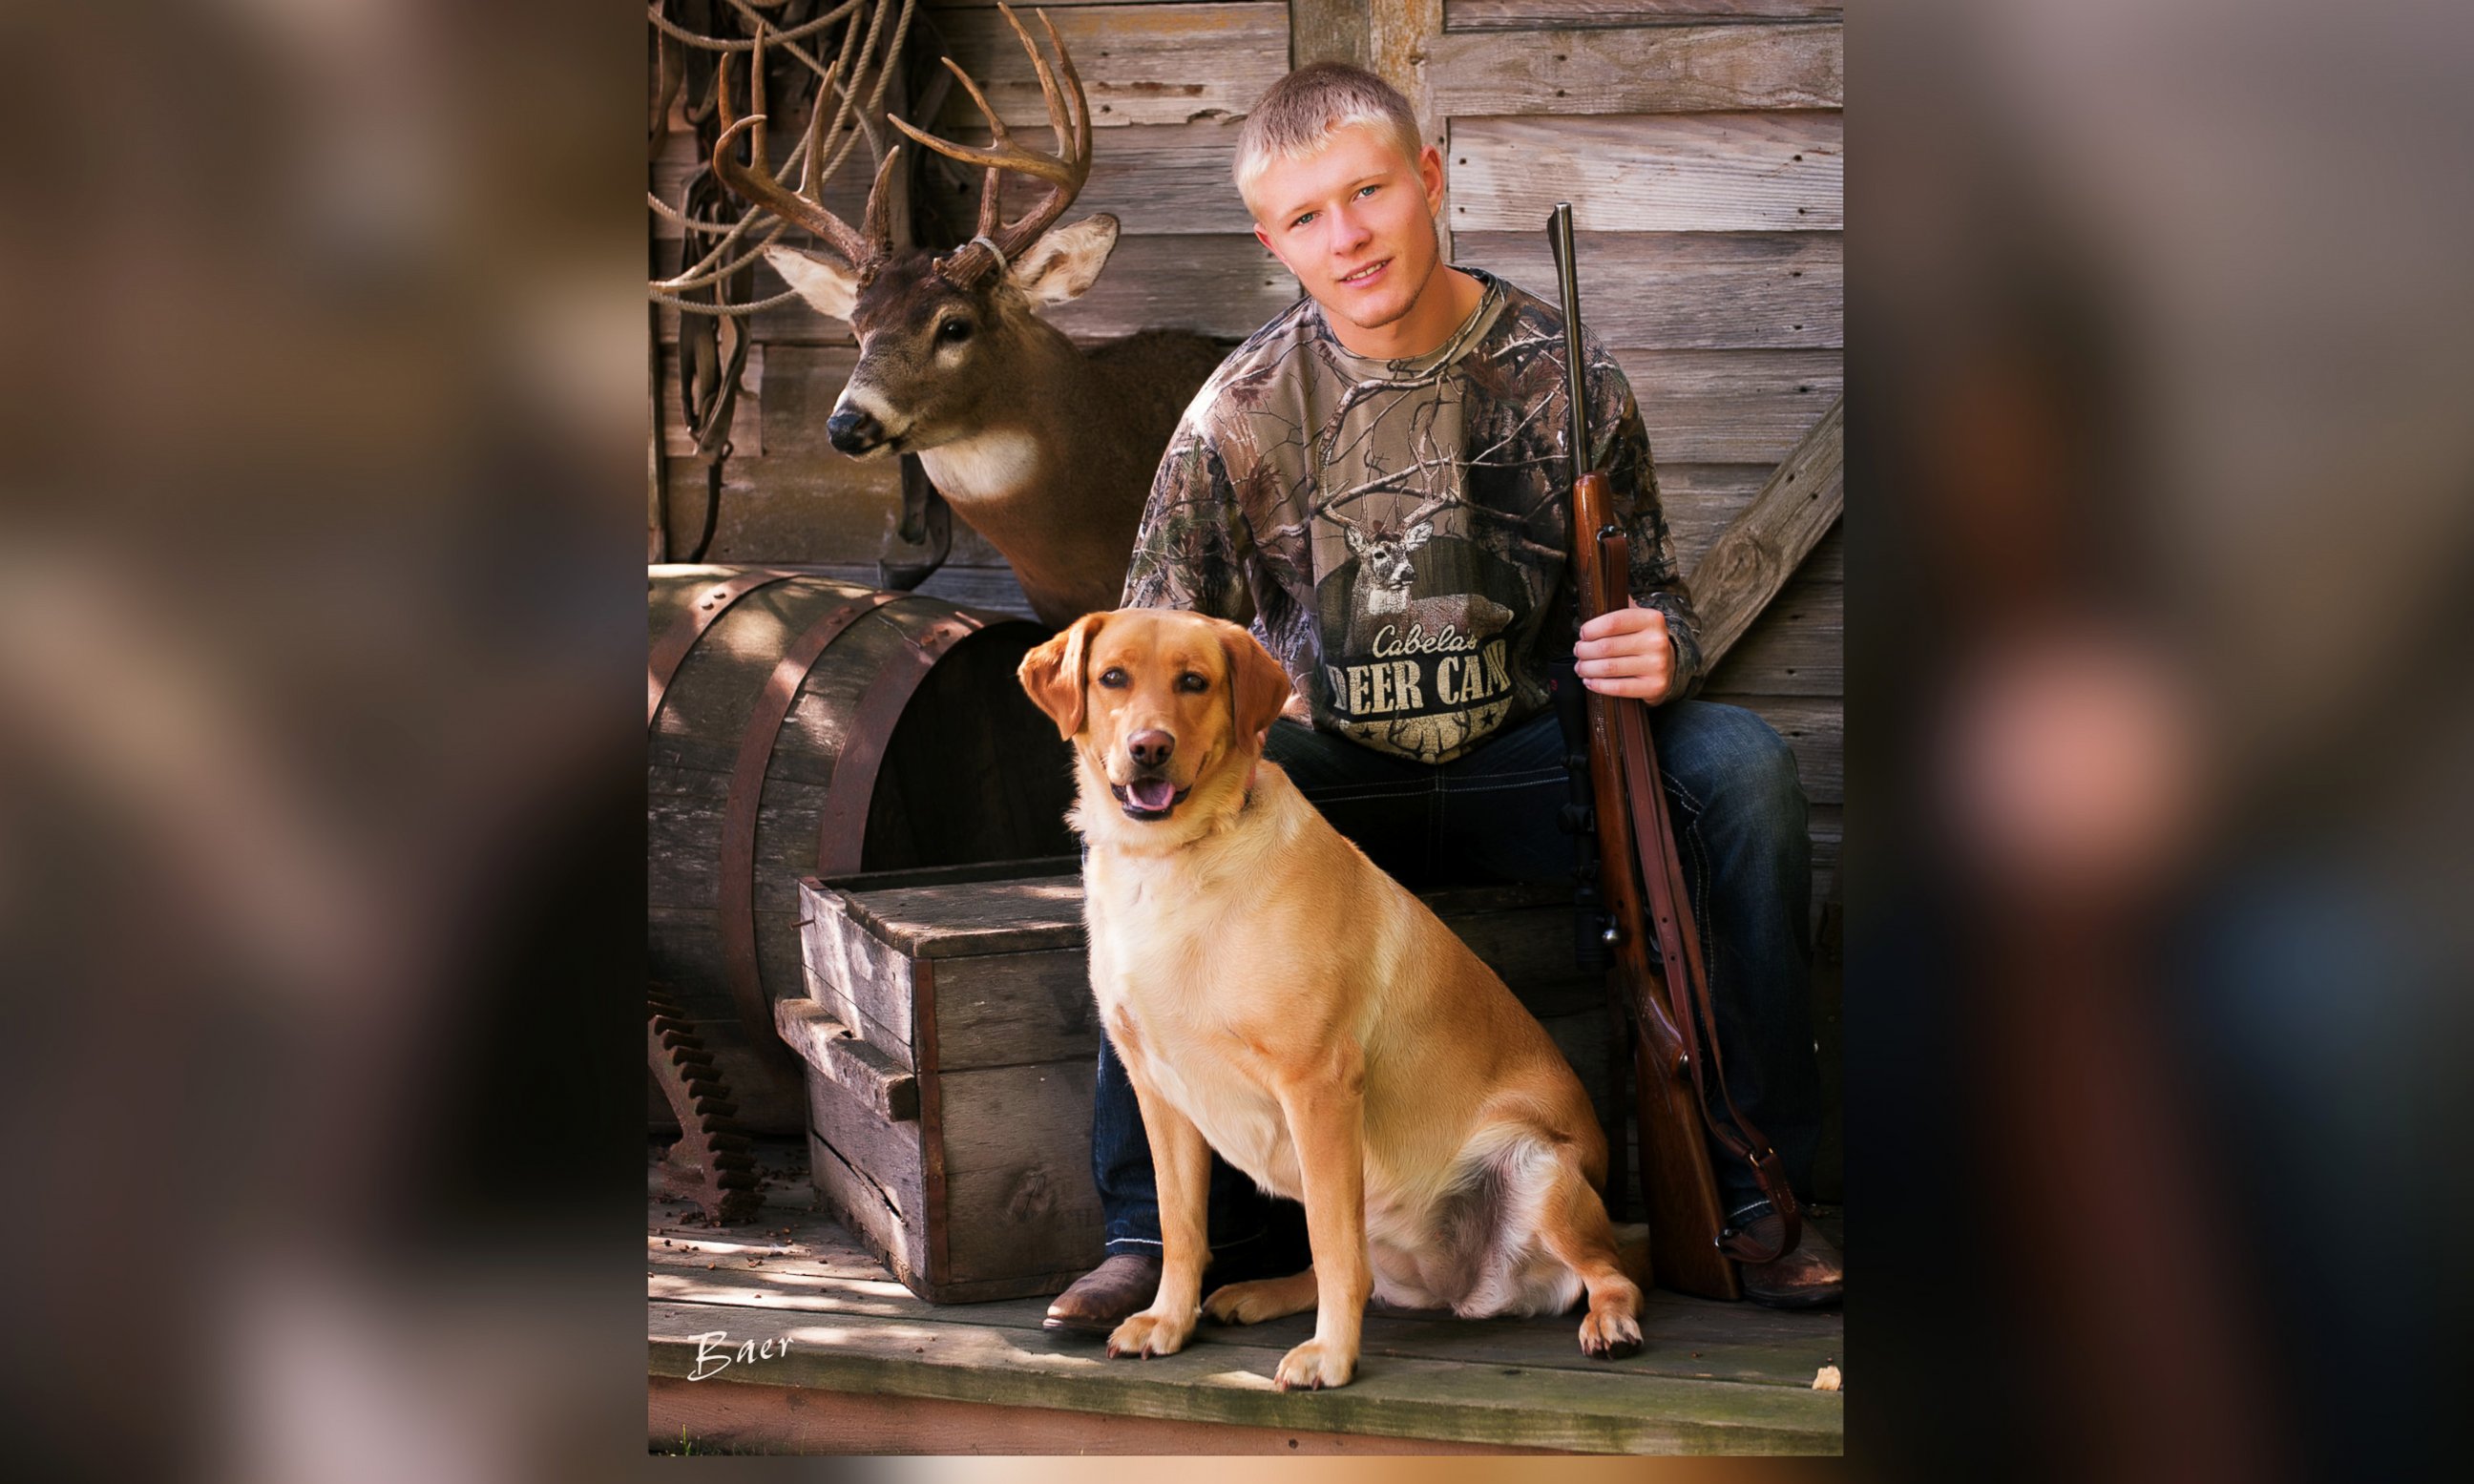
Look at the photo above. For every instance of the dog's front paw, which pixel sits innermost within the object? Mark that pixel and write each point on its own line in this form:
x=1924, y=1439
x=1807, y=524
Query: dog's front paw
x=1150, y=1333
x=1314, y=1366
x=1610, y=1331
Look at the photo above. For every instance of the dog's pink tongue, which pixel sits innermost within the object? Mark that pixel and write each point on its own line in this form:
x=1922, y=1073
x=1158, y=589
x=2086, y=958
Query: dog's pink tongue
x=1150, y=793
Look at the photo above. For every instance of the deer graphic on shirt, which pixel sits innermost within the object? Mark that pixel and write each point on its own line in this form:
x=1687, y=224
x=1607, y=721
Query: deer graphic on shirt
x=1386, y=575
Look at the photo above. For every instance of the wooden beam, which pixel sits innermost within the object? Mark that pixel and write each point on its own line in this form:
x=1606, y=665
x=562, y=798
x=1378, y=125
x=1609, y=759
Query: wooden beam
x=1139, y=64
x=1328, y=31
x=1756, y=553
x=1155, y=178
x=1662, y=69
x=1399, y=33
x=1689, y=290
x=1224, y=1378
x=1213, y=284
x=887, y=1088
x=1758, y=171
x=1730, y=407
x=1532, y=14
x=723, y=1417
x=656, y=542
x=1797, y=648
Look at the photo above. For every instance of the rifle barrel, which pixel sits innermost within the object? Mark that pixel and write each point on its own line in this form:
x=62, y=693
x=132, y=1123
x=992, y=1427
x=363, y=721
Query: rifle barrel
x=1567, y=275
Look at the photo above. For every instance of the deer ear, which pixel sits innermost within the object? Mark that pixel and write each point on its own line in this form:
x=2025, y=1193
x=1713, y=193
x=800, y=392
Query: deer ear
x=1064, y=263
x=1052, y=675
x=826, y=284
x=1258, y=686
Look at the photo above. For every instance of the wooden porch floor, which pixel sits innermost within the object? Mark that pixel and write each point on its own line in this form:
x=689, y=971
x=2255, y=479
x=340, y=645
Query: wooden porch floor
x=869, y=1368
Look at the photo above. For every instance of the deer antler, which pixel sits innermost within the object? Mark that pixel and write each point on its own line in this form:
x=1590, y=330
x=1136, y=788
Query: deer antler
x=1396, y=527
x=755, y=181
x=1069, y=116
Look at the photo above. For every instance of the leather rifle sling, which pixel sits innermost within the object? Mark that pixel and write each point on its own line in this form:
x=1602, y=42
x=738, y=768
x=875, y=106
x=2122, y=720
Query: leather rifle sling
x=1679, y=946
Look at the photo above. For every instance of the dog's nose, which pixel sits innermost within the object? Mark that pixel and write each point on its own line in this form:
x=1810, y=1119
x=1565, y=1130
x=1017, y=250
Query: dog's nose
x=1150, y=748
x=853, y=430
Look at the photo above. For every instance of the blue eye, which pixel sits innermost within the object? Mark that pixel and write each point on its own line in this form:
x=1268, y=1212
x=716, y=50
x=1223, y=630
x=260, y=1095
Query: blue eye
x=1303, y=220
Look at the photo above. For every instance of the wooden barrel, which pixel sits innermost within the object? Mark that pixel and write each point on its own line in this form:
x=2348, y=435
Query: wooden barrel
x=801, y=726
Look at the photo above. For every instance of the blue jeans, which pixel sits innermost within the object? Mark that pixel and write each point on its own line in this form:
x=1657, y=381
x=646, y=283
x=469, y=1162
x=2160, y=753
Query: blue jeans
x=1739, y=816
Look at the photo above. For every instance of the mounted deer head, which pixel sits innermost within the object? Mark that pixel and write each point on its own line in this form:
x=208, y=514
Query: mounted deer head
x=1045, y=449
x=943, y=338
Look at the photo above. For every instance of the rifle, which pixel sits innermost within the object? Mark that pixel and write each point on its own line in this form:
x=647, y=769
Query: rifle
x=1640, y=883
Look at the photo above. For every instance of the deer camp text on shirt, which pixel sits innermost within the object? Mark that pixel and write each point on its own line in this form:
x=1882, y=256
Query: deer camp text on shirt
x=1398, y=532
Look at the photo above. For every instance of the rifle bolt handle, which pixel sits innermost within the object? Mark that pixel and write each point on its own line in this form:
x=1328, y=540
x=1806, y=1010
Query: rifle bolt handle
x=1611, y=935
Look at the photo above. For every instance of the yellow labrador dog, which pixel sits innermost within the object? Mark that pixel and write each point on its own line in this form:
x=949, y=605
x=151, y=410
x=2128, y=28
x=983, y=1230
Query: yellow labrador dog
x=1277, y=998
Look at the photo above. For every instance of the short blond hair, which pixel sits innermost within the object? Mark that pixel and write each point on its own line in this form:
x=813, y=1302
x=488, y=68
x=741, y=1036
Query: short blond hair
x=1301, y=110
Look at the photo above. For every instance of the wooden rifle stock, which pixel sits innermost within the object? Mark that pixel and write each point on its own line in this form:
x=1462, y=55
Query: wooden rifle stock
x=1676, y=1181
x=1674, y=1064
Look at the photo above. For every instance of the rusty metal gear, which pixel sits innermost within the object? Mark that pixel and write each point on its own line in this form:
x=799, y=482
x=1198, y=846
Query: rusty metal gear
x=711, y=1164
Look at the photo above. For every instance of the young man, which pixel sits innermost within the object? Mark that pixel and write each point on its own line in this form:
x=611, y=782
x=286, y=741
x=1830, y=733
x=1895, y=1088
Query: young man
x=1377, y=482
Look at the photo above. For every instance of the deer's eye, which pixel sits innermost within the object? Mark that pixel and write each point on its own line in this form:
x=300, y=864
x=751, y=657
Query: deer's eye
x=1190, y=681
x=1113, y=678
x=953, y=331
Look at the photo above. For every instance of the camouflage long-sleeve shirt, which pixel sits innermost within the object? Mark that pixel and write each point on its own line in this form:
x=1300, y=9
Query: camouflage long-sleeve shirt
x=1398, y=532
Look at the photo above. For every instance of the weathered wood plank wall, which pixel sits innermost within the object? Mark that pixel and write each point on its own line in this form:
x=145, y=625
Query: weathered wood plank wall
x=1700, y=144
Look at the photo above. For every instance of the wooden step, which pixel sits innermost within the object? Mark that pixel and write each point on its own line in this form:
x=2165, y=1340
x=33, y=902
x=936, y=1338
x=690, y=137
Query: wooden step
x=917, y=1377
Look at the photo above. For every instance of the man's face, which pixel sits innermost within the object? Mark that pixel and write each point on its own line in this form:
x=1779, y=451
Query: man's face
x=1355, y=222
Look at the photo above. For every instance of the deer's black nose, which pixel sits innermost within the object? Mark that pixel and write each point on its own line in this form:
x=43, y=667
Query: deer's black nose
x=1151, y=748
x=853, y=430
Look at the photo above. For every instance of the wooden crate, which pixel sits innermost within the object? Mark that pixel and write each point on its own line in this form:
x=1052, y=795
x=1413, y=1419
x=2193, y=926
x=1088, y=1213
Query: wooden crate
x=950, y=1037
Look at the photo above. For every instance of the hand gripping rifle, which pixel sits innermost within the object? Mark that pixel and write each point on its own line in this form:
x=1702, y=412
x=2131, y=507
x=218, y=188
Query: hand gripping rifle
x=1639, y=884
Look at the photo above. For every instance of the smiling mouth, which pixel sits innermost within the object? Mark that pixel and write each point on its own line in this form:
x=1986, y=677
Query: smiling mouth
x=1366, y=275
x=1149, y=798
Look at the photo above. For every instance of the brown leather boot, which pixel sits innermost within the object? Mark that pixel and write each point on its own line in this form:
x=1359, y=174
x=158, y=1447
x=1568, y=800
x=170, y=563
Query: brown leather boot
x=1811, y=1276
x=1100, y=1299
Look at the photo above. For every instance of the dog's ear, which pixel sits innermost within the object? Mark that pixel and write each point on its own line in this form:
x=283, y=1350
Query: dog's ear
x=1052, y=672
x=1258, y=687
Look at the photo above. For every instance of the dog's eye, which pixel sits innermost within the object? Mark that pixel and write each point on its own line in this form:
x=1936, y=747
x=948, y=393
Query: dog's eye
x=1190, y=681
x=1114, y=679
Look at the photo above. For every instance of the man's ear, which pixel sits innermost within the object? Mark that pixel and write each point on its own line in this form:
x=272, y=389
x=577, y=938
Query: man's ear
x=1258, y=687
x=826, y=284
x=1052, y=675
x=1064, y=263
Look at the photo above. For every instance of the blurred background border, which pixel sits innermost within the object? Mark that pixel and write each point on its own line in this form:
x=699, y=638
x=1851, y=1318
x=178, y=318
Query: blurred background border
x=319, y=843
